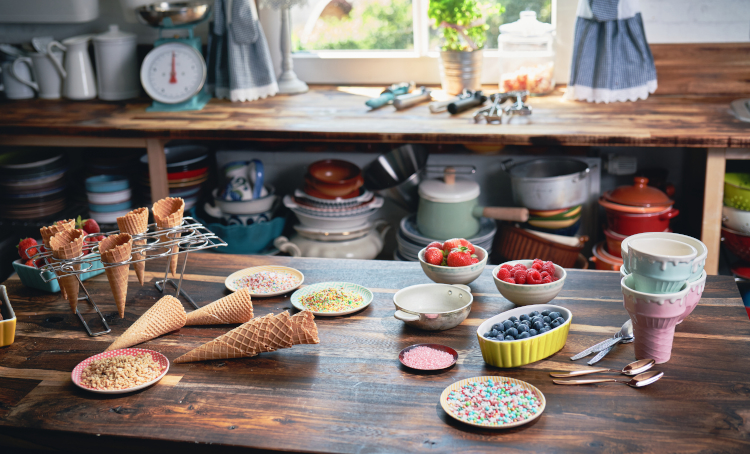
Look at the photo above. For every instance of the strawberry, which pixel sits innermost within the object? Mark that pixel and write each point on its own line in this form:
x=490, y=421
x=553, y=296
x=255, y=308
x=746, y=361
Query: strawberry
x=452, y=244
x=533, y=277
x=503, y=274
x=436, y=244
x=88, y=225
x=520, y=276
x=474, y=260
x=433, y=256
x=29, y=263
x=25, y=244
x=40, y=263
x=459, y=256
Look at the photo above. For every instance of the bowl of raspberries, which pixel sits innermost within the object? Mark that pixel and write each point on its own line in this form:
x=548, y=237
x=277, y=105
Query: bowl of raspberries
x=455, y=261
x=525, y=282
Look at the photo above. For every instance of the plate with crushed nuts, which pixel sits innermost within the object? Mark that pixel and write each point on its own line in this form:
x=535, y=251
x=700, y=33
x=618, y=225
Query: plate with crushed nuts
x=120, y=371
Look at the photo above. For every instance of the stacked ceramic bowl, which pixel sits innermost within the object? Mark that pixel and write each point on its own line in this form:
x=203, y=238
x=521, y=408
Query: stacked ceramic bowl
x=109, y=197
x=187, y=173
x=32, y=184
x=631, y=210
x=736, y=217
x=410, y=240
x=662, y=282
x=565, y=221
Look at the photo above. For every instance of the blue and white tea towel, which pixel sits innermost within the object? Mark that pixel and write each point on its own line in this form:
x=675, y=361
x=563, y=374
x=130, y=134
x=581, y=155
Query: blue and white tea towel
x=611, y=58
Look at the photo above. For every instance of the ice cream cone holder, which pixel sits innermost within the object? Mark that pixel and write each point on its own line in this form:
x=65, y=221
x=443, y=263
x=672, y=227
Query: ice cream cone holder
x=188, y=237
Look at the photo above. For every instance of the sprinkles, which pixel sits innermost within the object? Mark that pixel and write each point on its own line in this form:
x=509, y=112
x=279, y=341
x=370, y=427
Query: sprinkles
x=493, y=403
x=331, y=300
x=265, y=282
x=427, y=358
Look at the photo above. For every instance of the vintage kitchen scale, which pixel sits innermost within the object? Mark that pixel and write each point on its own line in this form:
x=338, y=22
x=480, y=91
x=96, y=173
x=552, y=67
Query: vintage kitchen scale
x=174, y=71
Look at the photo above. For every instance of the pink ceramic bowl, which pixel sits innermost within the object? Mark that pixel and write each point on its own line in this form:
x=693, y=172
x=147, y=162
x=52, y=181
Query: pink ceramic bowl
x=694, y=295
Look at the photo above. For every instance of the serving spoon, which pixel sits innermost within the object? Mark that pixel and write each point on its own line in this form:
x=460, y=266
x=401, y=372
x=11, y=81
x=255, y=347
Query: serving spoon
x=634, y=368
x=638, y=381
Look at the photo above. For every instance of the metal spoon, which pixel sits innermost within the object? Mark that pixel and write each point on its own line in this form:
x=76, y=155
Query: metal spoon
x=623, y=340
x=638, y=381
x=626, y=331
x=634, y=368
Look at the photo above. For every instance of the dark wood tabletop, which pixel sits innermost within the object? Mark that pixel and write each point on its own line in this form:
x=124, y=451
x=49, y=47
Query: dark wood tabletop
x=350, y=394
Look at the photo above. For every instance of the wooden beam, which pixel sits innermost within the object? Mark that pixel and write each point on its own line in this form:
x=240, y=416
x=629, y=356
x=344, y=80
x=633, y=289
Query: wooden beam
x=72, y=141
x=738, y=153
x=713, y=200
x=157, y=169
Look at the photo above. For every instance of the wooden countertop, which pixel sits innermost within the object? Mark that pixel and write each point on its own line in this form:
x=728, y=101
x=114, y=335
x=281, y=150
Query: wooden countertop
x=328, y=113
x=349, y=393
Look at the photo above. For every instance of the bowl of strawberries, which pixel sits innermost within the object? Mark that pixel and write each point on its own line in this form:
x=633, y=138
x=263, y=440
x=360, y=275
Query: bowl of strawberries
x=525, y=282
x=455, y=261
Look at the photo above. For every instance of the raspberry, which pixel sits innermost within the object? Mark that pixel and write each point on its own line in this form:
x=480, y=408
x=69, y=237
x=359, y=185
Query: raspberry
x=520, y=276
x=537, y=266
x=509, y=280
x=503, y=274
x=546, y=280
x=507, y=266
x=538, y=260
x=519, y=266
x=549, y=267
x=545, y=274
x=533, y=277
x=554, y=279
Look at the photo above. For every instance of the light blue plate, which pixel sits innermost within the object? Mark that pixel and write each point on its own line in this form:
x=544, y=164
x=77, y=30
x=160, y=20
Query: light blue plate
x=111, y=207
x=107, y=183
x=364, y=292
x=487, y=230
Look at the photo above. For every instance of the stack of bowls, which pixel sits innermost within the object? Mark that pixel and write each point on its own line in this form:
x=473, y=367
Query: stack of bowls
x=662, y=282
x=109, y=197
x=564, y=221
x=32, y=184
x=397, y=174
x=187, y=173
x=410, y=240
x=736, y=215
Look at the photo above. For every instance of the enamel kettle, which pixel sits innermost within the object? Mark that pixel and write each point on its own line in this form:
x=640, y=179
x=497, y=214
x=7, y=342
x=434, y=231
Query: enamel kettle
x=77, y=72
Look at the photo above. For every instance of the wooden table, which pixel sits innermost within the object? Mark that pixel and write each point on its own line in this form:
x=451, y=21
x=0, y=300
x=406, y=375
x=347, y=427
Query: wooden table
x=350, y=394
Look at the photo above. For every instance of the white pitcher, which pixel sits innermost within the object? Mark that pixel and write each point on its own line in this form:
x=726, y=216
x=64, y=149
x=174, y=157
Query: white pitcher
x=78, y=73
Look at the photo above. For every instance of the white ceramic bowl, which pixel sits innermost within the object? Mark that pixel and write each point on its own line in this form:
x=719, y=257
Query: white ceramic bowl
x=107, y=198
x=343, y=222
x=698, y=262
x=455, y=275
x=433, y=307
x=254, y=206
x=735, y=219
x=524, y=294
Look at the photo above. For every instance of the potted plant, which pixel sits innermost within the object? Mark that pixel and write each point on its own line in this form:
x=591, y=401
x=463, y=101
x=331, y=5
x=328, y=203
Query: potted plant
x=463, y=29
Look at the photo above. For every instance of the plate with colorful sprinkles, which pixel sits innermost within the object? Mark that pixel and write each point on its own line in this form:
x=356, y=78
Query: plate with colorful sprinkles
x=265, y=281
x=493, y=402
x=332, y=298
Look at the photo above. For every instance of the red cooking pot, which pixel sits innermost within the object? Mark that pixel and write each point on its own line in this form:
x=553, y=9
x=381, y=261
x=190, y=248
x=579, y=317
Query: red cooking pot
x=631, y=224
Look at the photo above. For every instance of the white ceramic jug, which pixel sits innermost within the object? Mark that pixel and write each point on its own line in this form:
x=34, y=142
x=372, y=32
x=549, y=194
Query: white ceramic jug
x=116, y=65
x=78, y=73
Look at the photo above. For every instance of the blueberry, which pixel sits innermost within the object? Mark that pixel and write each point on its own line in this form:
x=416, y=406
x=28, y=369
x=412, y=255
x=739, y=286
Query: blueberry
x=545, y=313
x=494, y=332
x=533, y=332
x=507, y=324
x=554, y=324
x=546, y=319
x=509, y=338
x=534, y=314
x=498, y=326
x=538, y=325
x=537, y=319
x=547, y=325
x=523, y=335
x=513, y=332
x=523, y=328
x=524, y=317
x=560, y=320
x=512, y=319
x=554, y=315
x=544, y=330
x=487, y=334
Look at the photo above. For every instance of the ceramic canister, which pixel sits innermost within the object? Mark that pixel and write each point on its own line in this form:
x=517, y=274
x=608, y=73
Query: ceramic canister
x=116, y=65
x=659, y=265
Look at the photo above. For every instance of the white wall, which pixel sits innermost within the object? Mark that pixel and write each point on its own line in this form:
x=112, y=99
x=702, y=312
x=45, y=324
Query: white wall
x=696, y=21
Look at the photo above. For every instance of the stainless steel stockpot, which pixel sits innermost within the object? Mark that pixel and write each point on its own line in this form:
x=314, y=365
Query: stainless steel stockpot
x=433, y=307
x=549, y=183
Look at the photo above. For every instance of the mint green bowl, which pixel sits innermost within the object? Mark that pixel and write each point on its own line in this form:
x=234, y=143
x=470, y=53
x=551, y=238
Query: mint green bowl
x=30, y=276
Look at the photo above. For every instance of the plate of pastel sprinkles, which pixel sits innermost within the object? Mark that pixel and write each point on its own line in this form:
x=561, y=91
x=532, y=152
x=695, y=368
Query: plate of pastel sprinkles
x=493, y=402
x=265, y=281
x=332, y=298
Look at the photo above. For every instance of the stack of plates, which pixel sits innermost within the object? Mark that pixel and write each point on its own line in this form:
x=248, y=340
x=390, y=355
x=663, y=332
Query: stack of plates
x=561, y=222
x=411, y=241
x=336, y=214
x=187, y=171
x=109, y=197
x=32, y=185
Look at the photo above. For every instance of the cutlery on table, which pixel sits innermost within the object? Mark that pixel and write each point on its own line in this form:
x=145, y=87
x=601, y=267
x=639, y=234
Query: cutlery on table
x=634, y=368
x=638, y=381
x=625, y=332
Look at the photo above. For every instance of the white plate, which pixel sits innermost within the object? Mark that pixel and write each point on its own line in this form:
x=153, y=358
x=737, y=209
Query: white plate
x=342, y=222
x=106, y=198
x=229, y=282
x=337, y=202
x=107, y=218
x=366, y=294
x=158, y=357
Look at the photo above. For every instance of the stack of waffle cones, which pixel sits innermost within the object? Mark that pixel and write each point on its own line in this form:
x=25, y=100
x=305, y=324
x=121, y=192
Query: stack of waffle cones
x=135, y=223
x=264, y=334
x=165, y=315
x=116, y=249
x=235, y=308
x=66, y=245
x=167, y=214
x=50, y=231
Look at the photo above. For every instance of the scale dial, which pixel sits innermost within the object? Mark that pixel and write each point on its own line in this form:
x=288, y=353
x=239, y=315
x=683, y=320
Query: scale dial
x=173, y=73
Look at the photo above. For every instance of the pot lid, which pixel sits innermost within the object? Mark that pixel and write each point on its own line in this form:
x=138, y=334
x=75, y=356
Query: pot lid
x=527, y=26
x=449, y=191
x=115, y=34
x=639, y=194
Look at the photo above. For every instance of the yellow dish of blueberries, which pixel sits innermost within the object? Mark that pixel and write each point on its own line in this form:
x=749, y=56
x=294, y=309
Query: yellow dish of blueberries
x=519, y=352
x=7, y=321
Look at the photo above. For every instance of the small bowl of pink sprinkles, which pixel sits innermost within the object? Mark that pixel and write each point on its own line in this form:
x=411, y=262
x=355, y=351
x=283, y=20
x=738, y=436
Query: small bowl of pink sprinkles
x=428, y=357
x=265, y=281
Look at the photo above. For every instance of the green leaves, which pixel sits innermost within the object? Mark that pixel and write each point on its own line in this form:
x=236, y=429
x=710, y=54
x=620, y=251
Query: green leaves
x=466, y=15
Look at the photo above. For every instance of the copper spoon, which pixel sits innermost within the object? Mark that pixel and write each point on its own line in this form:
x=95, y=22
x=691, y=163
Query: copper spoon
x=634, y=368
x=638, y=381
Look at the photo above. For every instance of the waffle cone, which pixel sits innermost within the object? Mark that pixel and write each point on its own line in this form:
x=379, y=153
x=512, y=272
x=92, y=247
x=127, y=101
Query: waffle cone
x=165, y=316
x=135, y=223
x=66, y=245
x=216, y=349
x=304, y=329
x=235, y=308
x=50, y=231
x=276, y=332
x=115, y=249
x=167, y=214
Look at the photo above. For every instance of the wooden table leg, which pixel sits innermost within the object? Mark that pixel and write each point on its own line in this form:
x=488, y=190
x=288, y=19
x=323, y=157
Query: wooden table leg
x=713, y=200
x=157, y=169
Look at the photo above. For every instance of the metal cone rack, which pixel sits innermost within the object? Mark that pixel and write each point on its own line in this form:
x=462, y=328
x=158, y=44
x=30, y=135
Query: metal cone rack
x=190, y=236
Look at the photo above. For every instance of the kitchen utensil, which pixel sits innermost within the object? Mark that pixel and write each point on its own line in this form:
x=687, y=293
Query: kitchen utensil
x=241, y=207
x=659, y=265
x=449, y=209
x=173, y=14
x=365, y=293
x=599, y=356
x=439, y=347
x=625, y=332
x=629, y=209
x=614, y=243
x=47, y=80
x=735, y=219
x=525, y=295
x=327, y=222
x=516, y=244
x=527, y=55
x=631, y=224
x=116, y=65
x=433, y=307
x=158, y=357
x=737, y=243
x=8, y=319
x=523, y=351
x=13, y=85
x=654, y=319
x=407, y=100
x=408, y=226
x=365, y=247
x=334, y=177
x=363, y=196
x=298, y=206
x=549, y=183
x=463, y=103
x=455, y=275
x=389, y=94
x=698, y=262
x=737, y=191
x=638, y=381
x=495, y=112
x=232, y=282
x=640, y=194
x=634, y=368
x=397, y=174
x=77, y=72
x=251, y=239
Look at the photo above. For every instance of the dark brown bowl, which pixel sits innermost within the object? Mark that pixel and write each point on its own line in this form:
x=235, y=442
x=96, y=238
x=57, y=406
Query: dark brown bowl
x=334, y=190
x=334, y=171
